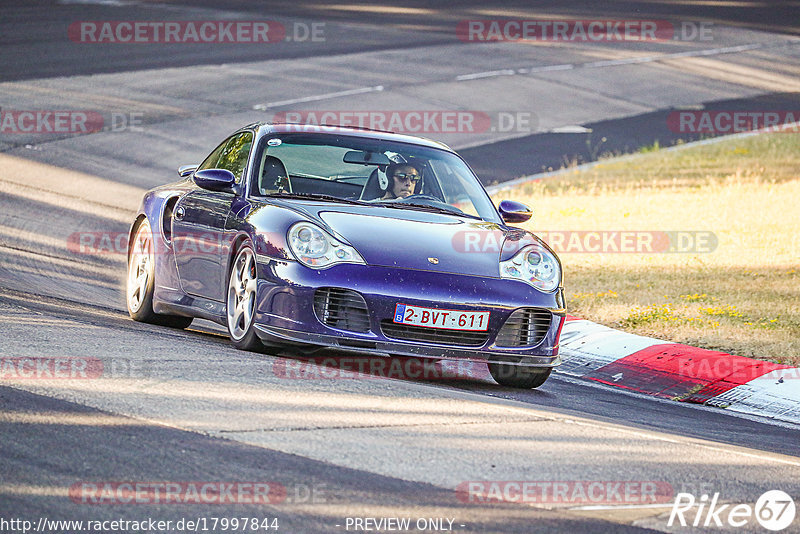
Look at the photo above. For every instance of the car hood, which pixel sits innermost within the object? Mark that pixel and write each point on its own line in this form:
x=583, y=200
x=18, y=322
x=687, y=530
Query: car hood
x=421, y=240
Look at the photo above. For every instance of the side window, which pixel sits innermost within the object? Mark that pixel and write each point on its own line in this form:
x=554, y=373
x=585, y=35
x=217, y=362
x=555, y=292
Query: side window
x=211, y=161
x=231, y=155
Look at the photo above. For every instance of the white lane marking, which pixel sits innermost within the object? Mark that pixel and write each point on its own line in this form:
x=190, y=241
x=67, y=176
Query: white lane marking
x=572, y=128
x=626, y=61
x=511, y=72
x=546, y=68
x=488, y=74
x=315, y=98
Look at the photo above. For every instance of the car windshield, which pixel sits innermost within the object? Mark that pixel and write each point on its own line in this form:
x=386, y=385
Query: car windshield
x=333, y=167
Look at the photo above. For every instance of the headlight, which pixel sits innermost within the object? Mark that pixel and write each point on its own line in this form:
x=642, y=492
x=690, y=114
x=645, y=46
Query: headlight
x=316, y=248
x=534, y=265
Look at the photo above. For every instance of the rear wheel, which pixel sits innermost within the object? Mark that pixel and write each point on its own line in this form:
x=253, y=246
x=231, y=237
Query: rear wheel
x=240, y=308
x=516, y=376
x=141, y=281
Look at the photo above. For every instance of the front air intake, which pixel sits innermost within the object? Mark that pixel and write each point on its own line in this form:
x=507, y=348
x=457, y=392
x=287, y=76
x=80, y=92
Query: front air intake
x=344, y=309
x=525, y=327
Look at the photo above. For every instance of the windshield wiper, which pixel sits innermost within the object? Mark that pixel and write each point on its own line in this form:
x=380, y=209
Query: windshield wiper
x=427, y=207
x=316, y=196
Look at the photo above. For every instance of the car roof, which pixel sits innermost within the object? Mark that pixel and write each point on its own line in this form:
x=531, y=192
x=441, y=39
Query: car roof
x=332, y=130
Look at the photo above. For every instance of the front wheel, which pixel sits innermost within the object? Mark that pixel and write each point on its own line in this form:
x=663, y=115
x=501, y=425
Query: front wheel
x=240, y=306
x=516, y=376
x=141, y=281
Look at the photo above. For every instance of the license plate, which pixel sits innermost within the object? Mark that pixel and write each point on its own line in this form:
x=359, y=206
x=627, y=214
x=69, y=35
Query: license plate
x=435, y=318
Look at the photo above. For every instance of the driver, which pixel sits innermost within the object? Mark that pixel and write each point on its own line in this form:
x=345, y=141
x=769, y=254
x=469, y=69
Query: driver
x=403, y=178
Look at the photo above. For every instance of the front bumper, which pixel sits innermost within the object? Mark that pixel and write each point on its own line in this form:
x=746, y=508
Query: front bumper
x=285, y=312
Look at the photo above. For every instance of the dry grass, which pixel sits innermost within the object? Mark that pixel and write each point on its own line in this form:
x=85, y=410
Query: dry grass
x=742, y=298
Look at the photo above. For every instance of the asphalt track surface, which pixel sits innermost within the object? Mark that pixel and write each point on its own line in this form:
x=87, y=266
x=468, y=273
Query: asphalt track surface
x=184, y=405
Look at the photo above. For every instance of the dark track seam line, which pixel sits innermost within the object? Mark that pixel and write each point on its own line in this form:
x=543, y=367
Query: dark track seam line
x=67, y=195
x=75, y=309
x=352, y=427
x=47, y=255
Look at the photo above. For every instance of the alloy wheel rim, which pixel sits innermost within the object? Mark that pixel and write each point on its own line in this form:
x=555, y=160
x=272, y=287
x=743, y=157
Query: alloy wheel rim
x=241, y=294
x=139, y=267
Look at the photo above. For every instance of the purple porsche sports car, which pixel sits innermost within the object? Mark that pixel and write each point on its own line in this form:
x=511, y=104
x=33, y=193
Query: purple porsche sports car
x=309, y=238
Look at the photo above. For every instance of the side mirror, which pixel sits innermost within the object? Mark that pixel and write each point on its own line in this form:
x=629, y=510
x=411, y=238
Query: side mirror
x=514, y=212
x=215, y=180
x=186, y=170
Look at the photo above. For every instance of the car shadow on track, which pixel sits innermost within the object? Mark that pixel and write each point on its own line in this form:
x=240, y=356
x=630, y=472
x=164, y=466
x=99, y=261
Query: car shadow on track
x=332, y=365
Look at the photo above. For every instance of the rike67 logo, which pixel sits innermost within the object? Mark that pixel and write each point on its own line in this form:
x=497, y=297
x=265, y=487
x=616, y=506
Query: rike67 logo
x=774, y=510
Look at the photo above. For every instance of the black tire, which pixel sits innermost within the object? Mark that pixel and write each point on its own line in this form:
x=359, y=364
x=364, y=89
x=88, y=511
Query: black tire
x=241, y=322
x=515, y=376
x=141, y=281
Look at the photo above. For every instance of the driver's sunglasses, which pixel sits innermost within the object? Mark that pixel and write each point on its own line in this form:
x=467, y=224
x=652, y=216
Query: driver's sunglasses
x=406, y=176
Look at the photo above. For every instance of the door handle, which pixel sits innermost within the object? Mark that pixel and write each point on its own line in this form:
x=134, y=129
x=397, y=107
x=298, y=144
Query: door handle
x=180, y=212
